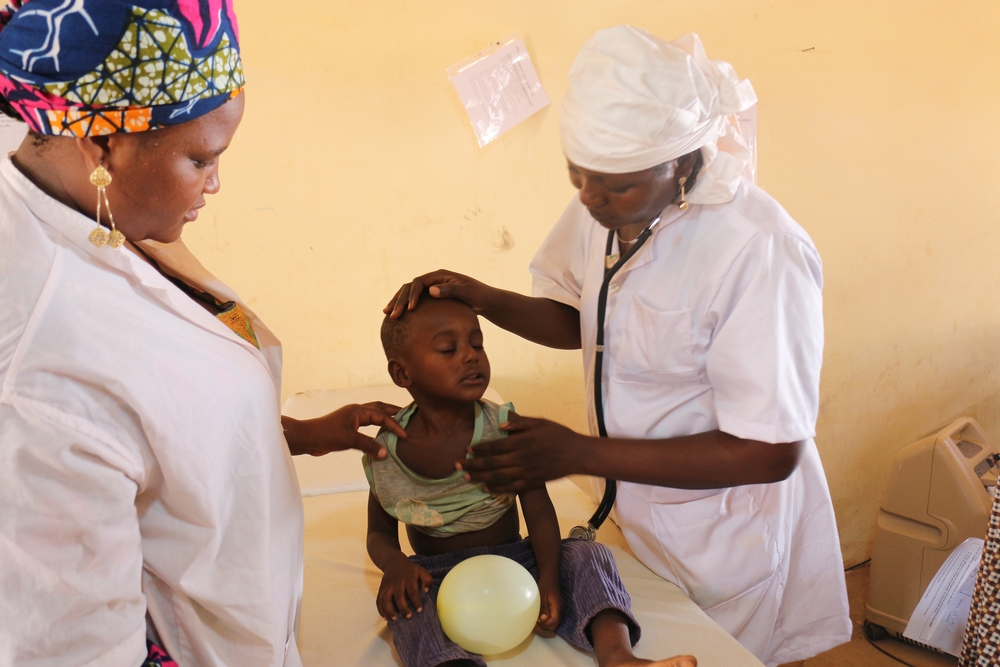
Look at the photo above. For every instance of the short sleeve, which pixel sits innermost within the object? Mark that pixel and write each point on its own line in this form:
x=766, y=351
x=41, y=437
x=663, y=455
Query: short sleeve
x=558, y=268
x=765, y=356
x=367, y=462
x=503, y=412
x=70, y=547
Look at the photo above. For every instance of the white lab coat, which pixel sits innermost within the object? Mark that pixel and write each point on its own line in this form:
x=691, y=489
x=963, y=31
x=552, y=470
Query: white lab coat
x=717, y=323
x=144, y=475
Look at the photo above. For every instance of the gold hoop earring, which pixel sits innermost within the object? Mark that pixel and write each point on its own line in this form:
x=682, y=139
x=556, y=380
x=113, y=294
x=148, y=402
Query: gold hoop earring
x=683, y=205
x=101, y=179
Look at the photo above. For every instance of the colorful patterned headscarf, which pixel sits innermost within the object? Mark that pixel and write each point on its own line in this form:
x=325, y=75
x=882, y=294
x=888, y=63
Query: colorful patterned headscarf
x=80, y=68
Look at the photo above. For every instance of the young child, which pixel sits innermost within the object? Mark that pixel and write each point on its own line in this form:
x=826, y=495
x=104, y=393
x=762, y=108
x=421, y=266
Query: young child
x=436, y=353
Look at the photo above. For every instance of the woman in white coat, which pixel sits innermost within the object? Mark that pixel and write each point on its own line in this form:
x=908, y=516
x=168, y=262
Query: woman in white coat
x=148, y=505
x=713, y=338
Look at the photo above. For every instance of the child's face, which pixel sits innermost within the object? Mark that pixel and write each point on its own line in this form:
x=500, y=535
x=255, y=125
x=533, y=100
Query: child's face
x=443, y=356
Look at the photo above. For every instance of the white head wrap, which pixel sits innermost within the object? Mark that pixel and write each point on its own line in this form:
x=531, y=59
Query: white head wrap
x=636, y=101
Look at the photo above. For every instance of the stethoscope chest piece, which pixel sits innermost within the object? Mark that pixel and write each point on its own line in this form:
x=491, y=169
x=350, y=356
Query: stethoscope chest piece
x=587, y=532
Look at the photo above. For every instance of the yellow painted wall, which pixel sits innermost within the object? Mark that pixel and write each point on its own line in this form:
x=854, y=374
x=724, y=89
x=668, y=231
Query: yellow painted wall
x=355, y=169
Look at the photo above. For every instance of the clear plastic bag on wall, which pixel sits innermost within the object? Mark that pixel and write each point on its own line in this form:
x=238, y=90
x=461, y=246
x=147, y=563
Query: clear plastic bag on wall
x=499, y=87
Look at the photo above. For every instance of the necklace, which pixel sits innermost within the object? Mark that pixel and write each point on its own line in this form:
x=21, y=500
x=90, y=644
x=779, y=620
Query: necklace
x=622, y=241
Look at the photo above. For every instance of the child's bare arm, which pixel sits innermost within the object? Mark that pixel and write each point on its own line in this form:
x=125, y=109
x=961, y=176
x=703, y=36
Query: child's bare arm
x=543, y=530
x=402, y=579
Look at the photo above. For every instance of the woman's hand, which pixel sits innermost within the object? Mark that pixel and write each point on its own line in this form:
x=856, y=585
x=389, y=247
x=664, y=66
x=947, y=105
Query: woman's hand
x=539, y=320
x=441, y=284
x=534, y=452
x=400, y=589
x=338, y=430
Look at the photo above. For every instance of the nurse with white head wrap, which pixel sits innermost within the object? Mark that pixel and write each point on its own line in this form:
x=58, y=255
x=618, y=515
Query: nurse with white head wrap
x=712, y=351
x=636, y=101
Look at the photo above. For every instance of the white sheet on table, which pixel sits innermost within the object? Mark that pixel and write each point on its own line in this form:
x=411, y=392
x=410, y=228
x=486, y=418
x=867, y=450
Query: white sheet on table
x=341, y=628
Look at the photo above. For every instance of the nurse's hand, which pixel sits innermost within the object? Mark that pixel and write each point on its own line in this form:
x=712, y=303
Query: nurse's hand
x=442, y=284
x=338, y=430
x=534, y=452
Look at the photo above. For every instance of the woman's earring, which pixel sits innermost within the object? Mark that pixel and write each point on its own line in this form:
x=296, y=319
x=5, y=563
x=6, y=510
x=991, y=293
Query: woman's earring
x=683, y=205
x=101, y=178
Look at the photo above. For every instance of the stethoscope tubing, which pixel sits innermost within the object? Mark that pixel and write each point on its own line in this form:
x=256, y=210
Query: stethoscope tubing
x=610, y=485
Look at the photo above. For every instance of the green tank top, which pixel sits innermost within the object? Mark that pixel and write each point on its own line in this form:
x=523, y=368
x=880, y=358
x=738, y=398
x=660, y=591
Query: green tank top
x=438, y=507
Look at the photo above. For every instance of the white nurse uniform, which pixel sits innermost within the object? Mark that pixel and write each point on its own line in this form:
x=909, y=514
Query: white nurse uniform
x=717, y=323
x=146, y=489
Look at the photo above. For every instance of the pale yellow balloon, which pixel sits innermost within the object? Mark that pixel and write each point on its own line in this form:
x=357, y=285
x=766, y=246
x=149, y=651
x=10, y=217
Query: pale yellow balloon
x=488, y=604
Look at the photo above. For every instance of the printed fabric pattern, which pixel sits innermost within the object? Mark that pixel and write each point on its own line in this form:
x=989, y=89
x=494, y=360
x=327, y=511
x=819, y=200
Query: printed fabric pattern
x=238, y=322
x=157, y=657
x=982, y=634
x=83, y=68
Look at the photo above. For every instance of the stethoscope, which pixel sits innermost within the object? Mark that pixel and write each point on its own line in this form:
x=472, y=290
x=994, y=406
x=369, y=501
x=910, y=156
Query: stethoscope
x=611, y=266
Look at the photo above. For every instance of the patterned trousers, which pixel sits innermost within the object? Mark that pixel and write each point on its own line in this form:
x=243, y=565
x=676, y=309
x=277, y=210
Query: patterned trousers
x=982, y=635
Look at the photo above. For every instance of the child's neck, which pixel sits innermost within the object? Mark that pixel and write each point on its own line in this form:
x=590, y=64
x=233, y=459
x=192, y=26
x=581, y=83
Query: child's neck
x=442, y=418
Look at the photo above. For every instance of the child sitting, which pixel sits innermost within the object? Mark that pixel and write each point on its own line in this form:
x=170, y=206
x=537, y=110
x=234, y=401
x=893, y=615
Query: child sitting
x=436, y=353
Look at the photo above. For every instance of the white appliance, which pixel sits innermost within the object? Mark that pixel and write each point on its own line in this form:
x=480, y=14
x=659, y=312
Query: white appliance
x=940, y=492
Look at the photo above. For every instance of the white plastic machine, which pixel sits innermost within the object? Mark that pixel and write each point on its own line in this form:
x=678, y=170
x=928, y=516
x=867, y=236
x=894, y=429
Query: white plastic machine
x=939, y=494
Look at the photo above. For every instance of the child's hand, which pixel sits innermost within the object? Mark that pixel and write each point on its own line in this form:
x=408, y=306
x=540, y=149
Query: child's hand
x=550, y=613
x=400, y=590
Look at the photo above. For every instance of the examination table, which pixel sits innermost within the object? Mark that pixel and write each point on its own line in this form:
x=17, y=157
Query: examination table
x=340, y=626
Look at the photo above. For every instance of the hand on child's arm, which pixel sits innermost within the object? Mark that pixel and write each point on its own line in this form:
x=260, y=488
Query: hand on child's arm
x=338, y=430
x=399, y=592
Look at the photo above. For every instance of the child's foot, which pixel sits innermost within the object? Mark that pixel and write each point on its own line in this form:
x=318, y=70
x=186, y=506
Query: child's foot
x=610, y=638
x=629, y=660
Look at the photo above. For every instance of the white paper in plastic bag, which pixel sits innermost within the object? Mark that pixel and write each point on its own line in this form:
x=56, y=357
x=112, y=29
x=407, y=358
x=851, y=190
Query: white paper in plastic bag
x=498, y=87
x=943, y=611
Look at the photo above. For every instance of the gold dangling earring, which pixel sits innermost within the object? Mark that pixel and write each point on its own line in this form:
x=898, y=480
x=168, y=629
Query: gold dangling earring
x=683, y=205
x=101, y=178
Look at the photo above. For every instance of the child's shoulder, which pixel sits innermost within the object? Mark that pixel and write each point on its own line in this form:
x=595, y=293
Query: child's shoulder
x=387, y=437
x=496, y=408
x=401, y=417
x=493, y=414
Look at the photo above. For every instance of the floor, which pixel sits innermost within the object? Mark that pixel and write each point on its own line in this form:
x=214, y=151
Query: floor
x=858, y=652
